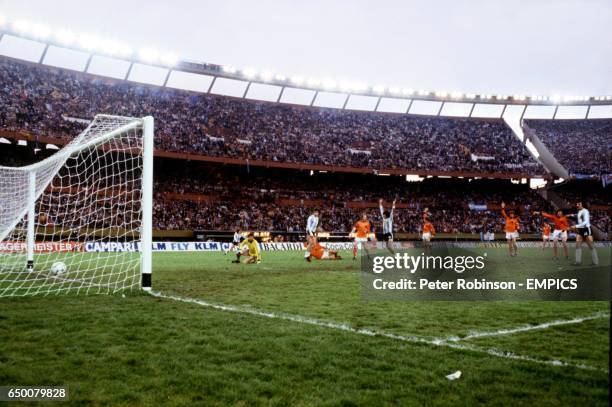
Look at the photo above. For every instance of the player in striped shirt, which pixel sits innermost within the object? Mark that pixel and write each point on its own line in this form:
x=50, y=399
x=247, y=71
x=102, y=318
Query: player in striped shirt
x=584, y=233
x=387, y=224
x=237, y=239
x=312, y=225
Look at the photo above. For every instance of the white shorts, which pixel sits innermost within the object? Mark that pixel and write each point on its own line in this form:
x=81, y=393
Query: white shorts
x=325, y=255
x=559, y=234
x=512, y=235
x=360, y=240
x=426, y=236
x=545, y=237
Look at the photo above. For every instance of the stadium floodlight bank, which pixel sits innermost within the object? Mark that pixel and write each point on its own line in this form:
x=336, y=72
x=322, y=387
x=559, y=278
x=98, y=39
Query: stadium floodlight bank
x=60, y=218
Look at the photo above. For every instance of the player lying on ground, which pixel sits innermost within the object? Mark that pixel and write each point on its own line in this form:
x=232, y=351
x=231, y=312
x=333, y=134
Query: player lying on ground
x=511, y=228
x=559, y=232
x=428, y=231
x=321, y=253
x=249, y=248
x=312, y=225
x=362, y=231
x=235, y=244
x=387, y=225
x=584, y=233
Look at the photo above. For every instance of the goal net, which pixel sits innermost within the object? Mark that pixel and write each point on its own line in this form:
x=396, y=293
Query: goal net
x=80, y=220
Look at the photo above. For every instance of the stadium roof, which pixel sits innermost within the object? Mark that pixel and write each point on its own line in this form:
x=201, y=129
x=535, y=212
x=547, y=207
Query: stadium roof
x=62, y=48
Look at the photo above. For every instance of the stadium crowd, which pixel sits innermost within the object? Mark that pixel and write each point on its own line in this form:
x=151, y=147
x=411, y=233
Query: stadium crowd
x=46, y=101
x=581, y=146
x=222, y=200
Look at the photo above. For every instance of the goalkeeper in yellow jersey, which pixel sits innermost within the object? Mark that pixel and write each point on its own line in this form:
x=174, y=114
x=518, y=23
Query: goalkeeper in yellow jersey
x=249, y=248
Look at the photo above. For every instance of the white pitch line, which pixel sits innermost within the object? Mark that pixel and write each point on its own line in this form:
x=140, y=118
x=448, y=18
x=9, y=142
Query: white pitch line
x=370, y=332
x=527, y=328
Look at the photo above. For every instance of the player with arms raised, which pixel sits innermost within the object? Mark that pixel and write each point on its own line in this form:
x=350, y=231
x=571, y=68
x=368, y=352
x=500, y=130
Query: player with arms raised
x=511, y=228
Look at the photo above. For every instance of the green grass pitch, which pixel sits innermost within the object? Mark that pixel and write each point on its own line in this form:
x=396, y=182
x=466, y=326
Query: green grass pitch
x=141, y=350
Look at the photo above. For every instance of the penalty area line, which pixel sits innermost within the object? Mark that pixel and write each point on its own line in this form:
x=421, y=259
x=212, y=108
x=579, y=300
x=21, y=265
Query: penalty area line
x=370, y=332
x=527, y=328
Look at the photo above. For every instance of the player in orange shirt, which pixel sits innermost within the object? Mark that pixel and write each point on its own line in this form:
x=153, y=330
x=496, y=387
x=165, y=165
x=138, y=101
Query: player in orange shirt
x=321, y=253
x=545, y=235
x=427, y=233
x=511, y=228
x=361, y=231
x=560, y=232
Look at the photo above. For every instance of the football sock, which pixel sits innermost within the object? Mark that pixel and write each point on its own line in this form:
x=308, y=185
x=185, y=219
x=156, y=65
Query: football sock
x=594, y=257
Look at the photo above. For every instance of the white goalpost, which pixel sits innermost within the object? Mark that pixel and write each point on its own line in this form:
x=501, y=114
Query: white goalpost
x=81, y=220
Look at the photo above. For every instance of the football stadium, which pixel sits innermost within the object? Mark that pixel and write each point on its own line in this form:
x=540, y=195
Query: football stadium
x=177, y=231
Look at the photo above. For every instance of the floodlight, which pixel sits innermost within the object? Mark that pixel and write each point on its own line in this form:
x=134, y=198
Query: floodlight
x=346, y=86
x=169, y=59
x=441, y=94
x=378, y=89
x=148, y=55
x=470, y=95
x=556, y=98
x=407, y=91
x=22, y=26
x=360, y=87
x=280, y=77
x=423, y=92
x=39, y=31
x=456, y=95
x=65, y=37
x=298, y=80
x=519, y=97
x=229, y=69
x=329, y=83
x=394, y=90
x=89, y=42
x=266, y=75
x=124, y=50
x=249, y=73
x=2, y=20
x=313, y=82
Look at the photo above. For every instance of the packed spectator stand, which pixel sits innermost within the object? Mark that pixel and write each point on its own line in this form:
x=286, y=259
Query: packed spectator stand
x=583, y=147
x=55, y=103
x=52, y=102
